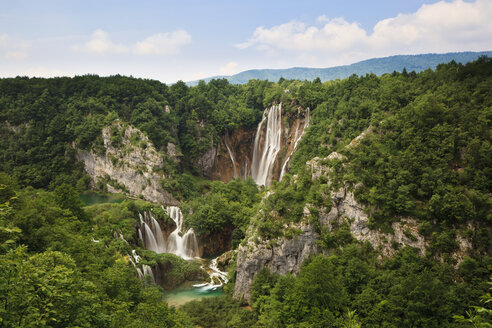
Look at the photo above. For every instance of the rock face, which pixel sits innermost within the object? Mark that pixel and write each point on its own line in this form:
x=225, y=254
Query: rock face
x=216, y=243
x=281, y=256
x=233, y=155
x=345, y=209
x=284, y=255
x=207, y=161
x=132, y=165
x=240, y=144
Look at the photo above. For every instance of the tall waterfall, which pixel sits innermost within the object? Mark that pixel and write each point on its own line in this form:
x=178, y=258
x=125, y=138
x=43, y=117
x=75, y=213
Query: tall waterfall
x=263, y=159
x=297, y=138
x=181, y=243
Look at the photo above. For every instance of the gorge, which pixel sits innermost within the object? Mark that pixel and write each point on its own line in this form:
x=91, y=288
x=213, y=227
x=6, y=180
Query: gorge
x=365, y=199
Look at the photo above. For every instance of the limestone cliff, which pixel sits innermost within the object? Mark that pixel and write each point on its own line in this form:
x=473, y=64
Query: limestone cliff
x=285, y=255
x=233, y=156
x=130, y=164
x=281, y=256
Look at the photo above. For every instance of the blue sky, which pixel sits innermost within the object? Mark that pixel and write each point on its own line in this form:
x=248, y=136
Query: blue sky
x=172, y=40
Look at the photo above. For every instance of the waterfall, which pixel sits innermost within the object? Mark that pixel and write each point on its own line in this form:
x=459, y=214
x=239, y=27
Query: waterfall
x=297, y=138
x=217, y=277
x=245, y=168
x=151, y=234
x=263, y=159
x=141, y=271
x=231, y=156
x=181, y=243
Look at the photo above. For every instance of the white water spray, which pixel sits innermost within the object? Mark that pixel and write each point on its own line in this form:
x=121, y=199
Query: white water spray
x=217, y=278
x=144, y=269
x=181, y=243
x=263, y=160
x=231, y=156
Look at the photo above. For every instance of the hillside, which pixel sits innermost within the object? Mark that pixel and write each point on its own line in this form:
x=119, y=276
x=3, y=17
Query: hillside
x=363, y=201
x=378, y=66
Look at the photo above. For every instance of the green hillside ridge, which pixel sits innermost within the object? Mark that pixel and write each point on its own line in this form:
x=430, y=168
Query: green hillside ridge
x=426, y=154
x=376, y=66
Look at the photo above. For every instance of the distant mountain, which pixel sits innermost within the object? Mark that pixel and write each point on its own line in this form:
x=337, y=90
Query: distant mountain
x=377, y=66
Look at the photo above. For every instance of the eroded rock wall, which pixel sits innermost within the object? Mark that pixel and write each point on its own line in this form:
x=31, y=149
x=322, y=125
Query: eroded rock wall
x=285, y=255
x=133, y=166
x=280, y=256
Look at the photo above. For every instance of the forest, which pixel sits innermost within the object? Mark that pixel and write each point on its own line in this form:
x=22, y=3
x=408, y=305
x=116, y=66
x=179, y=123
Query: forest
x=425, y=154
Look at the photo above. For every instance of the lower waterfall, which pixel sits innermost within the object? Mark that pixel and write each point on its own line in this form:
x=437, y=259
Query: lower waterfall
x=144, y=270
x=180, y=242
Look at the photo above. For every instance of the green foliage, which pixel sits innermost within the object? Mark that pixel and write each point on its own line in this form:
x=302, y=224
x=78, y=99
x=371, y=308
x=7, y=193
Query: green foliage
x=286, y=204
x=220, y=312
x=407, y=290
x=72, y=271
x=478, y=316
x=426, y=152
x=173, y=269
x=45, y=290
x=225, y=205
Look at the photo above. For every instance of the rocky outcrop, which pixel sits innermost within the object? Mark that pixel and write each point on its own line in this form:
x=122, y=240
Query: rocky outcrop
x=285, y=255
x=216, y=243
x=240, y=144
x=226, y=259
x=281, y=256
x=346, y=210
x=207, y=161
x=130, y=164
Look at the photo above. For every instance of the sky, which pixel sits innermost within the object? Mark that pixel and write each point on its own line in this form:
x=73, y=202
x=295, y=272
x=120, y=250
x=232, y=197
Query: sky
x=191, y=39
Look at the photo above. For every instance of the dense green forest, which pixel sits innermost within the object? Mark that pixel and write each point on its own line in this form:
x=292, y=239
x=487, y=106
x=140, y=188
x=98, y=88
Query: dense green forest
x=426, y=154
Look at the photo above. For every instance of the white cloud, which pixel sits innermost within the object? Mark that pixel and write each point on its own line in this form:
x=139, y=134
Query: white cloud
x=197, y=76
x=13, y=49
x=15, y=55
x=157, y=44
x=163, y=43
x=439, y=27
x=229, y=69
x=4, y=39
x=100, y=44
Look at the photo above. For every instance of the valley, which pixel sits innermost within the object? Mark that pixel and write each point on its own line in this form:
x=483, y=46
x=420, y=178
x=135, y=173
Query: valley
x=361, y=201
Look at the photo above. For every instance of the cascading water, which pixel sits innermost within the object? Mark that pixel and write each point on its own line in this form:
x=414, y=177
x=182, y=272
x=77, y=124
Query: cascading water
x=231, y=156
x=297, y=138
x=181, y=243
x=151, y=234
x=263, y=159
x=141, y=271
x=217, y=277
